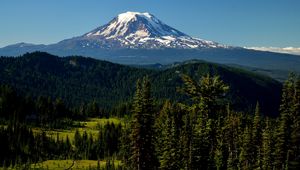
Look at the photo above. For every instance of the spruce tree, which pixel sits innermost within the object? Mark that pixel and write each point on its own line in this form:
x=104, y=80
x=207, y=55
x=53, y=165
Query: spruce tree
x=245, y=155
x=219, y=155
x=295, y=128
x=143, y=156
x=168, y=148
x=233, y=137
x=267, y=147
x=256, y=135
x=186, y=140
x=136, y=137
x=283, y=133
x=207, y=95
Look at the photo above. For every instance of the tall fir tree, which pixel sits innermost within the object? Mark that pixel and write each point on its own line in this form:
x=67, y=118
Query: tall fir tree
x=295, y=128
x=256, y=138
x=169, y=147
x=267, y=147
x=143, y=156
x=283, y=133
x=207, y=95
x=246, y=154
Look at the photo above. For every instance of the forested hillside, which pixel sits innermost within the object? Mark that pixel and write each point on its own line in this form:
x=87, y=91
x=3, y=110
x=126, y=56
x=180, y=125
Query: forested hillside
x=79, y=80
x=190, y=116
x=204, y=132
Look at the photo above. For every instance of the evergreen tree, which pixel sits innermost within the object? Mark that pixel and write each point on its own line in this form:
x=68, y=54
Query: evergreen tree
x=143, y=156
x=295, y=128
x=125, y=148
x=246, y=154
x=219, y=156
x=232, y=132
x=257, y=138
x=207, y=95
x=267, y=147
x=284, y=126
x=186, y=140
x=168, y=147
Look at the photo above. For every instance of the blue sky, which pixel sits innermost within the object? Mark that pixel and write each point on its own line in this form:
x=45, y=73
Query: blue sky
x=232, y=22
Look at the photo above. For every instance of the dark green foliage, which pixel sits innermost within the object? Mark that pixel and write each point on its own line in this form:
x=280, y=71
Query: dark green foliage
x=287, y=144
x=80, y=81
x=125, y=148
x=169, y=150
x=283, y=133
x=142, y=133
x=215, y=139
x=40, y=112
x=74, y=79
x=207, y=95
x=267, y=147
x=18, y=145
x=256, y=138
x=246, y=154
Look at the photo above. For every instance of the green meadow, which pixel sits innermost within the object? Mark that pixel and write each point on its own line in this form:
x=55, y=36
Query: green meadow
x=66, y=164
x=91, y=126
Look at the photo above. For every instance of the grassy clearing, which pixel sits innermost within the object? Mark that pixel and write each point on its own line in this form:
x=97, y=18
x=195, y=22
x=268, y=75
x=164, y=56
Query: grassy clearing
x=91, y=126
x=93, y=122
x=65, y=164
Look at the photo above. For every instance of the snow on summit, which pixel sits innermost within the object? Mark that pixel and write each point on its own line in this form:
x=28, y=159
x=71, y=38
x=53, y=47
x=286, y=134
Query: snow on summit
x=141, y=30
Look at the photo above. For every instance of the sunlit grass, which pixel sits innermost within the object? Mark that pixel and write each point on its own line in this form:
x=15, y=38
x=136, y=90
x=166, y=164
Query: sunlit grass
x=91, y=126
x=65, y=164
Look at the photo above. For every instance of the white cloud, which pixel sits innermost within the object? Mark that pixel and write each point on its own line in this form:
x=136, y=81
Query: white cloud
x=288, y=50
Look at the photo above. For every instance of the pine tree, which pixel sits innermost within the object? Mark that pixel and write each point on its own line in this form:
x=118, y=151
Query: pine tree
x=221, y=151
x=186, y=140
x=267, y=147
x=161, y=128
x=125, y=148
x=143, y=156
x=219, y=155
x=168, y=146
x=207, y=95
x=200, y=145
x=136, y=137
x=295, y=128
x=283, y=133
x=257, y=135
x=245, y=156
x=232, y=131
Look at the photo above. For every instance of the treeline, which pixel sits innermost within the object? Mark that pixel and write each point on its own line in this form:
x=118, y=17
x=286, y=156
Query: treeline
x=208, y=134
x=45, y=111
x=19, y=146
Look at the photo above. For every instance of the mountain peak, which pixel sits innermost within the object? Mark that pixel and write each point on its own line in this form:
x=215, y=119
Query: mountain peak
x=133, y=26
x=129, y=15
x=138, y=30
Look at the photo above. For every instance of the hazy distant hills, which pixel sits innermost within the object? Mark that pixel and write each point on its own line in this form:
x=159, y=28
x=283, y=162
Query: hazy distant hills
x=79, y=79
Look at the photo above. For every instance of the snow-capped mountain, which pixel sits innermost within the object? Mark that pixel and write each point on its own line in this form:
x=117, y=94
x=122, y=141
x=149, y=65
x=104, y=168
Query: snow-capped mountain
x=141, y=38
x=138, y=30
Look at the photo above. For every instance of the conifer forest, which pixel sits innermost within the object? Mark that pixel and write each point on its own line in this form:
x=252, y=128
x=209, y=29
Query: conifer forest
x=199, y=130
